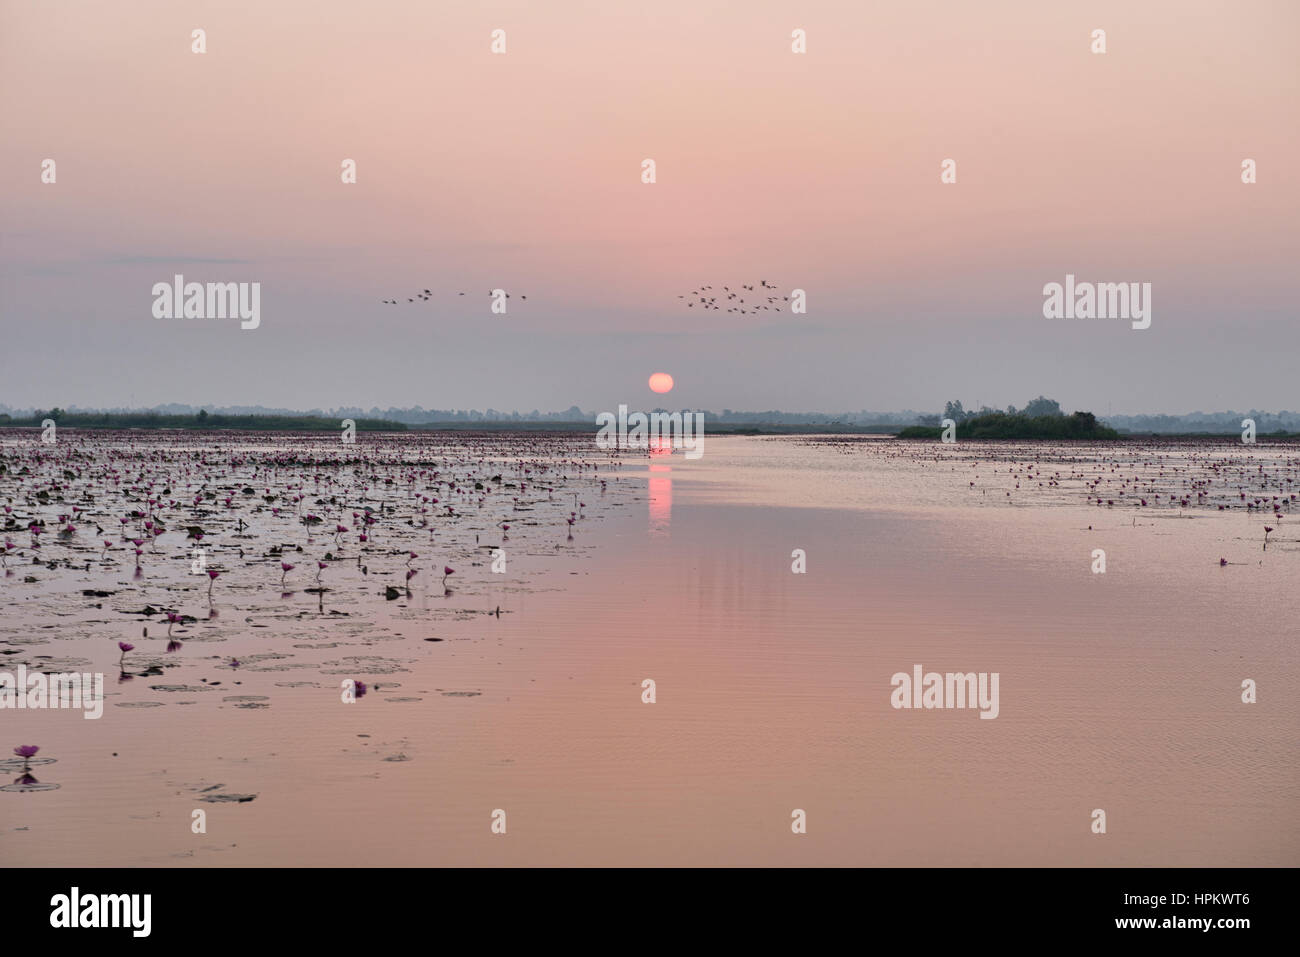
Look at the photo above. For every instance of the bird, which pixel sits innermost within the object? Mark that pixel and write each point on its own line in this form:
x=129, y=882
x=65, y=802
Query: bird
x=740, y=305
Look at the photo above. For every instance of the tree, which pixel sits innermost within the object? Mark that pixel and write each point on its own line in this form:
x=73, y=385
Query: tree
x=954, y=411
x=203, y=416
x=1042, y=406
x=1085, y=421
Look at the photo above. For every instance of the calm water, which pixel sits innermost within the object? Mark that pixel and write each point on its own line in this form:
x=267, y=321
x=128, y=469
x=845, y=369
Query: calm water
x=1119, y=691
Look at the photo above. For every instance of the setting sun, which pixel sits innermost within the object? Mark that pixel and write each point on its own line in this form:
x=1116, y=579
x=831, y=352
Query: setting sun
x=661, y=382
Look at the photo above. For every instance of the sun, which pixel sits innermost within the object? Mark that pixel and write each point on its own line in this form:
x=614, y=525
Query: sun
x=661, y=382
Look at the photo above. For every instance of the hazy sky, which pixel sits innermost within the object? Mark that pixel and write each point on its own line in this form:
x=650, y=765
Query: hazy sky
x=819, y=171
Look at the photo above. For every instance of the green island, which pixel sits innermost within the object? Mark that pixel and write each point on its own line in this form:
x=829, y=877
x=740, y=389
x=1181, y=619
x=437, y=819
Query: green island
x=1007, y=425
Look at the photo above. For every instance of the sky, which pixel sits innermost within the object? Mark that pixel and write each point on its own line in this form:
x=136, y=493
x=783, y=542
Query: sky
x=523, y=171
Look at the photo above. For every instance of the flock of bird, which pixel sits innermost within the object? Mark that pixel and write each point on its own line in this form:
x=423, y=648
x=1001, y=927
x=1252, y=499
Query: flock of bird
x=726, y=300
x=734, y=301
x=424, y=295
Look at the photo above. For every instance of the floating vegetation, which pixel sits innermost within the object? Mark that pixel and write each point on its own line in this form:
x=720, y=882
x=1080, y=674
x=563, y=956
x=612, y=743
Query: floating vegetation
x=140, y=552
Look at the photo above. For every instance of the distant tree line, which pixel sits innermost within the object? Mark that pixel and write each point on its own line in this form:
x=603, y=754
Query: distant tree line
x=168, y=415
x=202, y=420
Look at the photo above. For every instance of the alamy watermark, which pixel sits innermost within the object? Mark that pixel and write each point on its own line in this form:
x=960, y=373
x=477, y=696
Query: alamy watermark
x=684, y=430
x=39, y=690
x=1105, y=300
x=76, y=909
x=214, y=300
x=952, y=690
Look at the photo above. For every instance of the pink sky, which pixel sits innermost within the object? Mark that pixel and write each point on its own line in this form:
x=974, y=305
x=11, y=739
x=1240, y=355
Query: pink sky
x=522, y=171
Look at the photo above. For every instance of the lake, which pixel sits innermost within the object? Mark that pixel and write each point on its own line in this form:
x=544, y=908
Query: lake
x=1118, y=690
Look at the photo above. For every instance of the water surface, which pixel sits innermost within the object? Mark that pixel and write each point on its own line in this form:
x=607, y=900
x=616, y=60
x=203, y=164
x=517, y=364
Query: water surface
x=1119, y=691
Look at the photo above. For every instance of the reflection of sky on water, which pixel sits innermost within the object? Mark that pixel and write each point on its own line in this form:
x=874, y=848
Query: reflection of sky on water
x=661, y=499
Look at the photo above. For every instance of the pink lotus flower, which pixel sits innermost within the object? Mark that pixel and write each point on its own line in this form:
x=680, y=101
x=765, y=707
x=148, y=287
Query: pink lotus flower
x=26, y=750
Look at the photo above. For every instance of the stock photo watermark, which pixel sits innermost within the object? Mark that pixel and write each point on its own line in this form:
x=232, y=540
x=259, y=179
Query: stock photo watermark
x=1107, y=300
x=74, y=909
x=214, y=300
x=951, y=690
x=639, y=430
x=37, y=690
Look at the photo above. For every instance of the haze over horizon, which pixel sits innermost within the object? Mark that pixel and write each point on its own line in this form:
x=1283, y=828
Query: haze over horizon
x=1196, y=421
x=522, y=171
